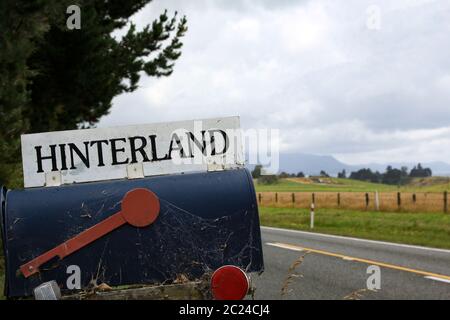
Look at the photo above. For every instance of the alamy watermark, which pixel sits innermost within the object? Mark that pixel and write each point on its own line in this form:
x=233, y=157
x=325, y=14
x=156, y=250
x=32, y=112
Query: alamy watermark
x=374, y=18
x=73, y=22
x=74, y=280
x=374, y=280
x=226, y=147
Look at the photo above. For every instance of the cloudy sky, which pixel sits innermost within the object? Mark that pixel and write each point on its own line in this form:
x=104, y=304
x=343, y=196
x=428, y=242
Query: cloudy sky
x=365, y=81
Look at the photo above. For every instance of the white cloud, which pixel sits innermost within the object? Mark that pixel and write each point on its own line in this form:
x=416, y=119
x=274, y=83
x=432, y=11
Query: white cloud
x=313, y=70
x=304, y=28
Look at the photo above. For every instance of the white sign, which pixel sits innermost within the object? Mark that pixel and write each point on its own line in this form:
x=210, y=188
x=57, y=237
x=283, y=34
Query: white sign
x=131, y=152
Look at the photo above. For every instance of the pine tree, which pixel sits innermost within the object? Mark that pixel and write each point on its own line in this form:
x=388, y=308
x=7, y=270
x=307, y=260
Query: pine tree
x=53, y=78
x=22, y=26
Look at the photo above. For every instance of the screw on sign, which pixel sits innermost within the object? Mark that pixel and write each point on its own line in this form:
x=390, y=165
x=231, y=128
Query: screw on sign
x=140, y=208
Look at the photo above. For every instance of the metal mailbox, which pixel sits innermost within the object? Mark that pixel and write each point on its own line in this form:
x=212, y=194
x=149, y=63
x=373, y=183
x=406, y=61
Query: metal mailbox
x=206, y=220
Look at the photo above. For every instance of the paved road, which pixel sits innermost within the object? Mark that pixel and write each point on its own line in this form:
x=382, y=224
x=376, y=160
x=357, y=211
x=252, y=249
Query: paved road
x=336, y=268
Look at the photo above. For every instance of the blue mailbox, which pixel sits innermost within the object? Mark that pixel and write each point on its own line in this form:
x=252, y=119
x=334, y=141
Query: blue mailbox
x=205, y=220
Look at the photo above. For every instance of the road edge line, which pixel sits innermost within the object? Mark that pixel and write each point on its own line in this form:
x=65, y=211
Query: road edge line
x=401, y=245
x=360, y=260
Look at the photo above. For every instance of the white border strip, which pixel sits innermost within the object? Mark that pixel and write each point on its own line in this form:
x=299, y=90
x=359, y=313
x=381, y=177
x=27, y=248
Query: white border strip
x=284, y=246
x=438, y=279
x=357, y=239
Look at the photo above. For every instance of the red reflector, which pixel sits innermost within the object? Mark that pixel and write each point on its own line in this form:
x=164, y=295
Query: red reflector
x=229, y=283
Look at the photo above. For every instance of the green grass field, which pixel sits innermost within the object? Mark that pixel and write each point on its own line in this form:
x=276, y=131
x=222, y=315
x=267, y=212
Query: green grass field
x=435, y=184
x=425, y=229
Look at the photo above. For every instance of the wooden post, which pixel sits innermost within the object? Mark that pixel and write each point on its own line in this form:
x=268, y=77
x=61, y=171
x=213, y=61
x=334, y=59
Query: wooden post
x=293, y=199
x=367, y=200
x=377, y=201
x=313, y=198
x=259, y=197
x=339, y=199
x=276, y=197
x=446, y=201
x=399, y=200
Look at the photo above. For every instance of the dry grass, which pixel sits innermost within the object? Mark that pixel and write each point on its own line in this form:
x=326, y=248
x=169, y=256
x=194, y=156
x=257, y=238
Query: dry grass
x=357, y=295
x=388, y=201
x=292, y=274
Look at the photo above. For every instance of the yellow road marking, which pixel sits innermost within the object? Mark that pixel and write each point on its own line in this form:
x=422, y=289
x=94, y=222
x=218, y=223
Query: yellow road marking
x=346, y=257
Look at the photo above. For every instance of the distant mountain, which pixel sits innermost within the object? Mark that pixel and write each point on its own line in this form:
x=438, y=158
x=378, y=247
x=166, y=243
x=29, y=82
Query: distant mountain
x=311, y=164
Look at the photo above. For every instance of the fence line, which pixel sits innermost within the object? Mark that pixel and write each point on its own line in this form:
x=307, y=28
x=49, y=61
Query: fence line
x=376, y=201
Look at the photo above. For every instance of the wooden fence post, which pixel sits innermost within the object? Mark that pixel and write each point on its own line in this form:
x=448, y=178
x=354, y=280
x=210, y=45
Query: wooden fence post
x=399, y=200
x=339, y=199
x=313, y=198
x=377, y=201
x=259, y=197
x=276, y=197
x=367, y=201
x=293, y=199
x=446, y=201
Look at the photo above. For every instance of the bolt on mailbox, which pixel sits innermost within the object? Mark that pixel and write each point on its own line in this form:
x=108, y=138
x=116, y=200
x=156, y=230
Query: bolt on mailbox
x=125, y=224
